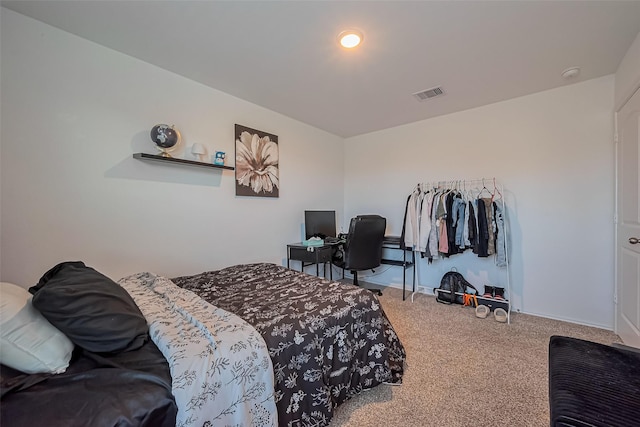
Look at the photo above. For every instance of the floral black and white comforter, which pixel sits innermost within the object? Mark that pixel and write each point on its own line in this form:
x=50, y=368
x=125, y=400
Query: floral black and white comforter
x=328, y=341
x=220, y=366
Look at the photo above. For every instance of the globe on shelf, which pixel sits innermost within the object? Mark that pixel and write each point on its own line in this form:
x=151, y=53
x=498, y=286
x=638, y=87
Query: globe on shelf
x=166, y=138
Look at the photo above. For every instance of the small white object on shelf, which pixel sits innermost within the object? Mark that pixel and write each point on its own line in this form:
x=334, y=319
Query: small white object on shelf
x=198, y=150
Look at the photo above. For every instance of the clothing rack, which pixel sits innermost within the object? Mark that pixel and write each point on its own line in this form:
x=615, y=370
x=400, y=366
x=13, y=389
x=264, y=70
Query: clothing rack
x=487, y=187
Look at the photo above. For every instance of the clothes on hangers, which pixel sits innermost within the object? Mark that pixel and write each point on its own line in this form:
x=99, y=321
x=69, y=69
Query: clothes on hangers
x=473, y=226
x=459, y=207
x=411, y=219
x=501, y=255
x=488, y=203
x=432, y=244
x=482, y=248
x=451, y=231
x=466, y=242
x=404, y=223
x=425, y=223
x=441, y=221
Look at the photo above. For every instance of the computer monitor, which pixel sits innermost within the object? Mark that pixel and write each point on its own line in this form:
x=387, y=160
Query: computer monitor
x=320, y=224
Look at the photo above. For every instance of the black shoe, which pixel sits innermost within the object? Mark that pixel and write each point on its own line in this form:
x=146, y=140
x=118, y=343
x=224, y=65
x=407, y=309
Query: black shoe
x=498, y=293
x=488, y=291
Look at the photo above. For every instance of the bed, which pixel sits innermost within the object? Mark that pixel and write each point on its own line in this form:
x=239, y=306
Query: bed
x=328, y=341
x=248, y=345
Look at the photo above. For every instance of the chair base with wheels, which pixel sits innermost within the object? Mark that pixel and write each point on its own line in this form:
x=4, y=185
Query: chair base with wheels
x=355, y=282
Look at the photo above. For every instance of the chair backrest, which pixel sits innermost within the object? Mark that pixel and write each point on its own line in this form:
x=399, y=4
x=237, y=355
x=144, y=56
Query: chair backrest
x=363, y=249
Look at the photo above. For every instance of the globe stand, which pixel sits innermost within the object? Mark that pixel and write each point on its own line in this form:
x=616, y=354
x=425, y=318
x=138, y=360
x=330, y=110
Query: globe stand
x=164, y=153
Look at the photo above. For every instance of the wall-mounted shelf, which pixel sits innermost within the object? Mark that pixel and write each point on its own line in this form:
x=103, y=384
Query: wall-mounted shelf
x=156, y=158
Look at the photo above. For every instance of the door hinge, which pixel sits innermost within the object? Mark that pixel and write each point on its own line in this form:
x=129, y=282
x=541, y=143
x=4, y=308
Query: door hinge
x=615, y=298
x=615, y=138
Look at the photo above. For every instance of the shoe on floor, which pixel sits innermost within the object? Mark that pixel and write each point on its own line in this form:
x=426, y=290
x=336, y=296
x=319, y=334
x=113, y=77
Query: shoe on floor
x=500, y=314
x=482, y=311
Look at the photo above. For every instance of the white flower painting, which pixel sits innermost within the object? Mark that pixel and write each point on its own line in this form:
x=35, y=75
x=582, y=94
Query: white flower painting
x=257, y=172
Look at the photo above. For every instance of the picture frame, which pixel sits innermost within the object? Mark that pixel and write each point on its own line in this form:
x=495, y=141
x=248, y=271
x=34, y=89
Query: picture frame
x=257, y=168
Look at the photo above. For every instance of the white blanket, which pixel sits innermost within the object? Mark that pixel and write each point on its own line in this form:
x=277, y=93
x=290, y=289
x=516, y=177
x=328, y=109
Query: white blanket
x=220, y=366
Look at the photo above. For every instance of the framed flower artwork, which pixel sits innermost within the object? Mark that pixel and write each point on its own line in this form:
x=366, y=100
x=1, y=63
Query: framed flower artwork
x=257, y=167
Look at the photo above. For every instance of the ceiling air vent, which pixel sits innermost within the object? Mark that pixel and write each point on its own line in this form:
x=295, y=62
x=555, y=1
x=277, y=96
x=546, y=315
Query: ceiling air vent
x=423, y=95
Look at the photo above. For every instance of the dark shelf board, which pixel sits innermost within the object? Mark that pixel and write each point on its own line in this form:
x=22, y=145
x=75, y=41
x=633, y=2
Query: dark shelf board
x=393, y=242
x=399, y=263
x=156, y=158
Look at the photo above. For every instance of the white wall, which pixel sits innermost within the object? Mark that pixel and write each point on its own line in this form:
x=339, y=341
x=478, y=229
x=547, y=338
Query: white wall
x=74, y=112
x=628, y=74
x=553, y=152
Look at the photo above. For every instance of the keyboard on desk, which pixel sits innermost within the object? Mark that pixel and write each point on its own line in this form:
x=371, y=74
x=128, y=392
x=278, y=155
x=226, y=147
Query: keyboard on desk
x=331, y=240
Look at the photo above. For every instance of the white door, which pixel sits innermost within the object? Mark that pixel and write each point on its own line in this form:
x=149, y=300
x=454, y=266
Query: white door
x=627, y=323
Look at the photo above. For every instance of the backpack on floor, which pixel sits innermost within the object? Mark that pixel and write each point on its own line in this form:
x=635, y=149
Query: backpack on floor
x=452, y=288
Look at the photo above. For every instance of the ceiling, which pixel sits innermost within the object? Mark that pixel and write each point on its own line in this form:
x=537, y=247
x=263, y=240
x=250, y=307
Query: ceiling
x=284, y=55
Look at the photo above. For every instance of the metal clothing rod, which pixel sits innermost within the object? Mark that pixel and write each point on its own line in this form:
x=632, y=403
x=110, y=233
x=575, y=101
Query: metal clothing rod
x=459, y=184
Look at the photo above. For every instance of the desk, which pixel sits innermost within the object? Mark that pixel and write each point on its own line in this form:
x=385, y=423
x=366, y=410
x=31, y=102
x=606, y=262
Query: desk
x=320, y=255
x=323, y=254
x=394, y=243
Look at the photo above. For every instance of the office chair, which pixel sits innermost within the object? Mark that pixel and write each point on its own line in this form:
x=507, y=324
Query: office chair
x=363, y=248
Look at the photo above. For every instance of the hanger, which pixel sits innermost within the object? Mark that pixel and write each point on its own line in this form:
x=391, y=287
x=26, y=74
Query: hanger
x=495, y=190
x=466, y=194
x=484, y=187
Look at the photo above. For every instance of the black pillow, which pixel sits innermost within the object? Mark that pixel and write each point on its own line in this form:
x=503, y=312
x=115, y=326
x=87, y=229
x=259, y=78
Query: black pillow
x=95, y=312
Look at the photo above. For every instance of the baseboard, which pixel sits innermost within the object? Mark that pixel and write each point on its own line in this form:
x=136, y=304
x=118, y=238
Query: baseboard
x=430, y=293
x=569, y=320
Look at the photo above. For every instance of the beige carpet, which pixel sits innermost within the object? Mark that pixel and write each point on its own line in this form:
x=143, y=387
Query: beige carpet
x=462, y=370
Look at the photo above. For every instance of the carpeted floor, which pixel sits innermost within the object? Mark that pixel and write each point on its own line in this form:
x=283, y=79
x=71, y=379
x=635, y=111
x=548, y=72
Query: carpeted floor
x=462, y=370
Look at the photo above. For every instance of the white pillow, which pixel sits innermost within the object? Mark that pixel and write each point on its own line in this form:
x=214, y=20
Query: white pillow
x=28, y=342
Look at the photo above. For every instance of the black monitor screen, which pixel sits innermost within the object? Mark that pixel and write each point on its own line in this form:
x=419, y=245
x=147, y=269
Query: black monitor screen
x=320, y=223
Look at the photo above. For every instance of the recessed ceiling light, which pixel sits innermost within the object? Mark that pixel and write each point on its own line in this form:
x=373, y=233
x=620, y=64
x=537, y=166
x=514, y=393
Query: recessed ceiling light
x=570, y=73
x=350, y=38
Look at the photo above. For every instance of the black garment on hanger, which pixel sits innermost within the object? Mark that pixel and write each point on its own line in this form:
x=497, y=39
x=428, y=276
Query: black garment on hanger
x=451, y=229
x=482, y=250
x=473, y=228
x=404, y=222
